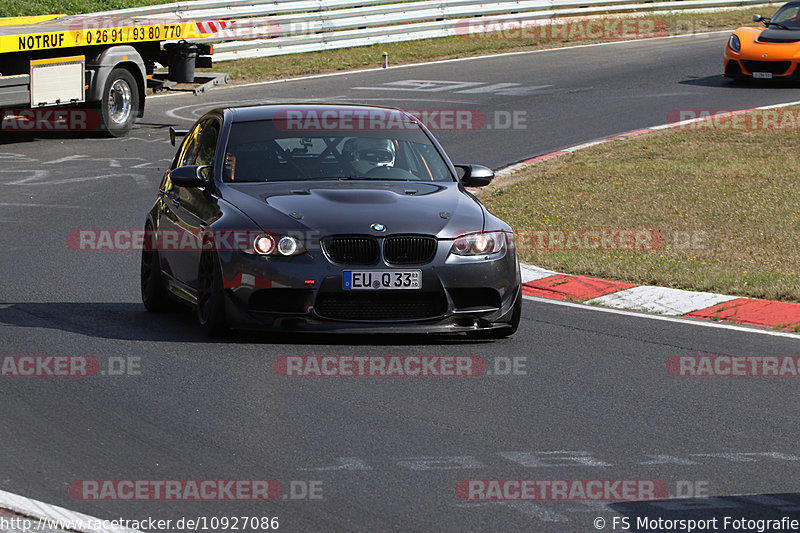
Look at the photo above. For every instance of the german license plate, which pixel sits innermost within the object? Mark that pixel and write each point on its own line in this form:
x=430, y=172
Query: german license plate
x=382, y=279
x=763, y=75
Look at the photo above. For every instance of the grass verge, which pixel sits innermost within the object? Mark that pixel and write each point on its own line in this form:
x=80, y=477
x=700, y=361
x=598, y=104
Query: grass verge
x=731, y=195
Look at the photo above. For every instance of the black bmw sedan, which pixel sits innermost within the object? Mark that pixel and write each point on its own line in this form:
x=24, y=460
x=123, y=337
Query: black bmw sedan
x=327, y=217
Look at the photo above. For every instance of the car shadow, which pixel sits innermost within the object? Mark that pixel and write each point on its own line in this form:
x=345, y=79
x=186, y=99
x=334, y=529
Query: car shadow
x=17, y=137
x=643, y=515
x=130, y=321
x=721, y=81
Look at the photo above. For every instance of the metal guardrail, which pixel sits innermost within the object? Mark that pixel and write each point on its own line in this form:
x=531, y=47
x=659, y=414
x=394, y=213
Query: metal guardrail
x=265, y=28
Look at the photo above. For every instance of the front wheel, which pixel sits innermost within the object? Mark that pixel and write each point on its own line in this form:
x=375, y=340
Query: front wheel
x=210, y=297
x=120, y=102
x=154, y=294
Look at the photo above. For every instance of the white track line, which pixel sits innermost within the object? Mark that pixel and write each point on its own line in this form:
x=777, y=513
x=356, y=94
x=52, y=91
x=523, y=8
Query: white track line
x=45, y=511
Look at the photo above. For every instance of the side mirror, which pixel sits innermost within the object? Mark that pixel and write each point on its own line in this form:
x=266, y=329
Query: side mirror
x=476, y=175
x=174, y=134
x=189, y=176
x=756, y=18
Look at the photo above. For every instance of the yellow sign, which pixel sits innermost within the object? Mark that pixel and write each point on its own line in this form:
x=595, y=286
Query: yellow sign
x=24, y=42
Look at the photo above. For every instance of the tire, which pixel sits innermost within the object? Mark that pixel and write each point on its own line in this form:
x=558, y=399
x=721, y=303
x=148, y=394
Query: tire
x=210, y=297
x=119, y=103
x=154, y=295
x=501, y=333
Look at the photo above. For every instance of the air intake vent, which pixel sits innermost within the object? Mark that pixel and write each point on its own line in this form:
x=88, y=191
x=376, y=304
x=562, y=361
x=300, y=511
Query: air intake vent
x=381, y=306
x=409, y=250
x=775, y=67
x=353, y=250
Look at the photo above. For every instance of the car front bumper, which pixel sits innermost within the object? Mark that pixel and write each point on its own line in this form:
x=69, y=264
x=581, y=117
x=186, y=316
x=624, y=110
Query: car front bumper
x=457, y=294
x=738, y=65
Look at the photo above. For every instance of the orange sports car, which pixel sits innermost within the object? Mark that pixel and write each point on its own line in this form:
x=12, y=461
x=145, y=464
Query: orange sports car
x=769, y=52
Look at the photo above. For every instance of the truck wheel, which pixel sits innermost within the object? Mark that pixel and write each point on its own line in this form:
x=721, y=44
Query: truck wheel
x=120, y=102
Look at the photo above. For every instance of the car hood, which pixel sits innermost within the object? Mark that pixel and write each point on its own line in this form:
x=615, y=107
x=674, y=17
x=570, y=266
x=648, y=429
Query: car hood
x=340, y=207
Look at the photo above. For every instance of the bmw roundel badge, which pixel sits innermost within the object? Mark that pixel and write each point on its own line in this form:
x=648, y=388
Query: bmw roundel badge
x=378, y=227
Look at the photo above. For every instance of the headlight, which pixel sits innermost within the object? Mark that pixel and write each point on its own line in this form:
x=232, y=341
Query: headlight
x=263, y=244
x=479, y=243
x=286, y=246
x=734, y=43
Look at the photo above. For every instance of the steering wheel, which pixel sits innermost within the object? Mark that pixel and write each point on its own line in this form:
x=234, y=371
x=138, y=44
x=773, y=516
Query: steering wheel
x=391, y=172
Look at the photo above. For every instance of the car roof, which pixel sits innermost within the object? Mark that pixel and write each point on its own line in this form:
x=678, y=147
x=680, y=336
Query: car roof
x=268, y=111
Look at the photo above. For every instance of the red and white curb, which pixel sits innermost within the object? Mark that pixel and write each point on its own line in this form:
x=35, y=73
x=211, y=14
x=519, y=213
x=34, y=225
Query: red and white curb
x=51, y=517
x=543, y=283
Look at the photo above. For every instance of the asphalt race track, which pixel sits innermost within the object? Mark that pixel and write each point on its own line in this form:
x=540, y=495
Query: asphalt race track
x=594, y=402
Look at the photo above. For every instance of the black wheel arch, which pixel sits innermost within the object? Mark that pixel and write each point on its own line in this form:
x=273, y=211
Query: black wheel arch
x=113, y=57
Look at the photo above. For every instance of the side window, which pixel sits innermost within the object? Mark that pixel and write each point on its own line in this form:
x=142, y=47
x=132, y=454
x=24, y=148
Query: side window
x=207, y=147
x=207, y=143
x=200, y=145
x=189, y=147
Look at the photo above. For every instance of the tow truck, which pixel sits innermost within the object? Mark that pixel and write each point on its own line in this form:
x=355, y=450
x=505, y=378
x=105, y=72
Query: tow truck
x=90, y=62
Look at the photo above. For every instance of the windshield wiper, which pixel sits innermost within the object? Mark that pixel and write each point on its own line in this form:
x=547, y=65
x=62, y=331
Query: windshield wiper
x=778, y=24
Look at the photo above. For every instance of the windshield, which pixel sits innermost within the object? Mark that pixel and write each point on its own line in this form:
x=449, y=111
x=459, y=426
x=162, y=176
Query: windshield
x=788, y=16
x=286, y=150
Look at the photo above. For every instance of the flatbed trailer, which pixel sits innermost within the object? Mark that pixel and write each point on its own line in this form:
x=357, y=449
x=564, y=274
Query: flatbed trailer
x=100, y=63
